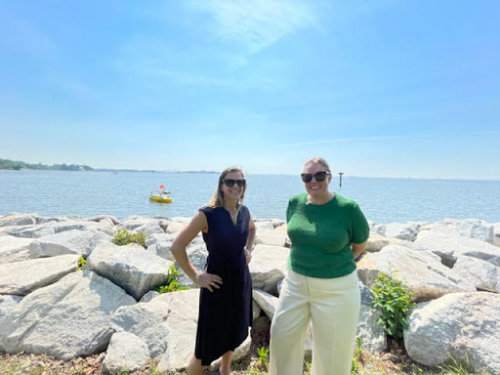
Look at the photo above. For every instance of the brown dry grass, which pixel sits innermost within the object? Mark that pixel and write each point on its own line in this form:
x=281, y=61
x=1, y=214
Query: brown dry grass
x=29, y=364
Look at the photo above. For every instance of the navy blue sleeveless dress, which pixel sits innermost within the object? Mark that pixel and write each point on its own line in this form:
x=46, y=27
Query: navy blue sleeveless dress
x=225, y=314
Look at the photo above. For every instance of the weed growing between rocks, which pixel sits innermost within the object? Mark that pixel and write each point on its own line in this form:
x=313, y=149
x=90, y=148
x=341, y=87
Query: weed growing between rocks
x=81, y=263
x=124, y=237
x=393, y=298
x=172, y=285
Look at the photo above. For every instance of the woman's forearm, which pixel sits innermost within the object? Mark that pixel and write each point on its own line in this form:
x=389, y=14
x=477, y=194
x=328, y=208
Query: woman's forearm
x=180, y=255
x=358, y=249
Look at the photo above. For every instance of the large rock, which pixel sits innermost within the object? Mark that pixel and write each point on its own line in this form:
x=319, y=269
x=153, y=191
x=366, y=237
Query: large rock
x=483, y=275
x=263, y=224
x=53, y=227
x=373, y=338
x=7, y=303
x=271, y=237
x=471, y=228
x=464, y=326
x=496, y=237
x=105, y=218
x=377, y=242
x=268, y=266
x=68, y=242
x=15, y=219
x=127, y=352
x=180, y=329
x=197, y=253
x=13, y=249
x=450, y=247
x=427, y=278
x=267, y=302
x=131, y=267
x=146, y=225
x=159, y=244
x=148, y=322
x=23, y=277
x=403, y=231
x=67, y=319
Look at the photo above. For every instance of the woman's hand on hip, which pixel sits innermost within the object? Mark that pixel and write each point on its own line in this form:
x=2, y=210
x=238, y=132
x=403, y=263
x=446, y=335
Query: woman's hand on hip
x=208, y=280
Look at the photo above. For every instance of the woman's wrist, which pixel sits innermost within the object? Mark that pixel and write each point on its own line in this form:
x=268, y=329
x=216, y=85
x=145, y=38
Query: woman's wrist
x=247, y=250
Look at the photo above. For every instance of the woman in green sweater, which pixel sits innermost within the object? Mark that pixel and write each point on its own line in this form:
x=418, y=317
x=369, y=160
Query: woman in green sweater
x=327, y=232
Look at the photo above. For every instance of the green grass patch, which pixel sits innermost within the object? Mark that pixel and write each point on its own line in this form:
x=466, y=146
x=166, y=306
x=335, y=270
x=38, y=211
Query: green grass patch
x=172, y=284
x=124, y=237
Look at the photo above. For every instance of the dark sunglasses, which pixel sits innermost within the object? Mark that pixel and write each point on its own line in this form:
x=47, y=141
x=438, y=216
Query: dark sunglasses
x=319, y=176
x=229, y=182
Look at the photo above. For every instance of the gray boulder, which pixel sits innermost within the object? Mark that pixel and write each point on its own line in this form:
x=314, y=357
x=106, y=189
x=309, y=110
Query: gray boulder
x=15, y=219
x=24, y=277
x=449, y=248
x=464, y=326
x=268, y=266
x=126, y=352
x=271, y=237
x=427, y=278
x=403, y=231
x=13, y=249
x=7, y=303
x=483, y=275
x=470, y=228
x=377, y=242
x=373, y=338
x=74, y=241
x=146, y=320
x=67, y=319
x=496, y=237
x=131, y=267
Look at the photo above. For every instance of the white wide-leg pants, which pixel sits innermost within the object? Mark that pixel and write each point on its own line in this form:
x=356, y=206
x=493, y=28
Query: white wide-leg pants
x=333, y=306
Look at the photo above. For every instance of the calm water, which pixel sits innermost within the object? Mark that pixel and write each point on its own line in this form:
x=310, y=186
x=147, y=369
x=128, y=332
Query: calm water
x=384, y=200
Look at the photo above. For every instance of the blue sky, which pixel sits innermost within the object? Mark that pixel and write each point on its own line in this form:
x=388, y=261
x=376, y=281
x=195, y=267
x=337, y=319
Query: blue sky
x=379, y=88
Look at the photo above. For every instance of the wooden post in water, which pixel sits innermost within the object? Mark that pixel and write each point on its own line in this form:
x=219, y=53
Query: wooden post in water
x=340, y=180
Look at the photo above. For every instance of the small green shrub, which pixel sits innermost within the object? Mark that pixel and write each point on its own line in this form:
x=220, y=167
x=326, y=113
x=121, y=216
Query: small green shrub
x=172, y=285
x=357, y=357
x=394, y=300
x=81, y=263
x=124, y=237
x=307, y=364
x=262, y=355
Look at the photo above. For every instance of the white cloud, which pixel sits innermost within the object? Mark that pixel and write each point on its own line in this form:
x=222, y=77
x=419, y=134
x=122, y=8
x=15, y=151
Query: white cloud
x=256, y=24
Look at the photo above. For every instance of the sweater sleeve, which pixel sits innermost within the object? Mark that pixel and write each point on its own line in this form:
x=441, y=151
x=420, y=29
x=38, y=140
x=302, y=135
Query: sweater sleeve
x=290, y=208
x=360, y=230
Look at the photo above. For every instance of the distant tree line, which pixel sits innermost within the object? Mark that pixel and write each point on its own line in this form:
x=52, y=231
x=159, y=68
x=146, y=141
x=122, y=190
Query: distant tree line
x=18, y=165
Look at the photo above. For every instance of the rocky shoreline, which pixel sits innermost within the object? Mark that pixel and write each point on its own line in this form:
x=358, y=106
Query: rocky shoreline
x=109, y=310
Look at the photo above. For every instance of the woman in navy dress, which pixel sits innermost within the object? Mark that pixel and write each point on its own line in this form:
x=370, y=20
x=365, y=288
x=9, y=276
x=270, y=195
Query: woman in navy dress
x=225, y=311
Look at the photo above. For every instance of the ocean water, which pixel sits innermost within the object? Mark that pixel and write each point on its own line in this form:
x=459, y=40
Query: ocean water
x=383, y=200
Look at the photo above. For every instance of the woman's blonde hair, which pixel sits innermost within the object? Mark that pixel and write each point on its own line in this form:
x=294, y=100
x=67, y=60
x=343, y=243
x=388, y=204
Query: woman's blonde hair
x=320, y=161
x=217, y=199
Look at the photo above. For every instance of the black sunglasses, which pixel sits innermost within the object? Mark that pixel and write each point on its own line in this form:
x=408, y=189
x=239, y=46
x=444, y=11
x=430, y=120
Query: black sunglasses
x=229, y=182
x=319, y=176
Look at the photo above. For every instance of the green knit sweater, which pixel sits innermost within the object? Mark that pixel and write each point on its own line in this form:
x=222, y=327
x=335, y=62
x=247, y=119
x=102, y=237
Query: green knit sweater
x=321, y=235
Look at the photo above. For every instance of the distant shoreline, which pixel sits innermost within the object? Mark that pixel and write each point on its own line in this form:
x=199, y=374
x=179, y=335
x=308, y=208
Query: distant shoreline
x=16, y=165
x=104, y=170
